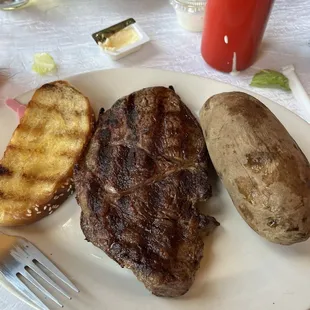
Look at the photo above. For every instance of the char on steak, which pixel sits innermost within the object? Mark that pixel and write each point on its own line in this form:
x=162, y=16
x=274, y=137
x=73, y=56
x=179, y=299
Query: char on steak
x=138, y=184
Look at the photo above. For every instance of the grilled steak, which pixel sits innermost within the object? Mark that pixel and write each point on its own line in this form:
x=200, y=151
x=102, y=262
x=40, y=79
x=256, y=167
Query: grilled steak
x=145, y=169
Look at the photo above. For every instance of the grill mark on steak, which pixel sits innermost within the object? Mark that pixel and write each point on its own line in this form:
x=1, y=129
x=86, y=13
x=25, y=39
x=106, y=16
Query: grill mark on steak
x=104, y=157
x=138, y=186
x=122, y=181
x=93, y=199
x=157, y=130
x=131, y=115
x=105, y=136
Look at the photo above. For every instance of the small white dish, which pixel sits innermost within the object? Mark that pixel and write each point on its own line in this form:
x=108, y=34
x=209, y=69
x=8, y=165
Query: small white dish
x=130, y=48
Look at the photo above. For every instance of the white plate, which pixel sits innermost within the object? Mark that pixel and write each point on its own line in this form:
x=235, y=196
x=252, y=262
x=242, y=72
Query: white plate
x=240, y=270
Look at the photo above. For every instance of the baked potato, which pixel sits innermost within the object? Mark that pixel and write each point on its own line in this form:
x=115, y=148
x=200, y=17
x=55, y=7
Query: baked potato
x=261, y=166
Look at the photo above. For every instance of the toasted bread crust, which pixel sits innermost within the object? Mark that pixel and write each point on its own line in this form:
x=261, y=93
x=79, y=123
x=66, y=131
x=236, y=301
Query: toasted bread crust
x=40, y=209
x=19, y=207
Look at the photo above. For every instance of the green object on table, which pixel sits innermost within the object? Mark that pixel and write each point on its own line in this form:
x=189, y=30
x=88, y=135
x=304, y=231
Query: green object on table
x=43, y=63
x=270, y=79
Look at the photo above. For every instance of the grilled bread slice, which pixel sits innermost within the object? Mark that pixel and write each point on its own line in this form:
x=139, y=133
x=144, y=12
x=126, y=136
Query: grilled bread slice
x=36, y=170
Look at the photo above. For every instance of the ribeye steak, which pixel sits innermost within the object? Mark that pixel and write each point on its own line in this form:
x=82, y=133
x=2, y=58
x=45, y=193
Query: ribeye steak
x=138, y=184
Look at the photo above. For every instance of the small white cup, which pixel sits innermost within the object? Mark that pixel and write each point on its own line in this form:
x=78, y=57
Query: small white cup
x=190, y=14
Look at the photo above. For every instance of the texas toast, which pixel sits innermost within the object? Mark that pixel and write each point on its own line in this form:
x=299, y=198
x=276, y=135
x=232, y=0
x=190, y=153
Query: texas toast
x=36, y=169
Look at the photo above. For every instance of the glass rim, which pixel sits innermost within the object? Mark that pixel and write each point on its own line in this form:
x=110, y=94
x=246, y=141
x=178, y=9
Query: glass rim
x=189, y=6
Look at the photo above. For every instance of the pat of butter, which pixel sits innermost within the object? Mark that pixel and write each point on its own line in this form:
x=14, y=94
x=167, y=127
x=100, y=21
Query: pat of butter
x=121, y=39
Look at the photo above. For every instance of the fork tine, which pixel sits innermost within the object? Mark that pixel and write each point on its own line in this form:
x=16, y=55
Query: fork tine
x=37, y=270
x=25, y=255
x=24, y=290
x=31, y=279
x=41, y=258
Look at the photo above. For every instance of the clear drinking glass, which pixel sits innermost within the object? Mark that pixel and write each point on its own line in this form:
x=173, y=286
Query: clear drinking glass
x=12, y=4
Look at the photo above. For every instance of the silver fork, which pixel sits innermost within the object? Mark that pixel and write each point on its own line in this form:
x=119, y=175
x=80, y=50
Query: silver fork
x=16, y=256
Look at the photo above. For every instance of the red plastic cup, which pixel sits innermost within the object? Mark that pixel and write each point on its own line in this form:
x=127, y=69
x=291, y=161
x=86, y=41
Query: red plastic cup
x=233, y=32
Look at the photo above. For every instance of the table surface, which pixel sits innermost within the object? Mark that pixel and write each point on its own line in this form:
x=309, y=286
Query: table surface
x=63, y=28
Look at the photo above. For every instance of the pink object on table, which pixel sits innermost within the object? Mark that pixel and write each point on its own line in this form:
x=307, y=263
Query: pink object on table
x=16, y=106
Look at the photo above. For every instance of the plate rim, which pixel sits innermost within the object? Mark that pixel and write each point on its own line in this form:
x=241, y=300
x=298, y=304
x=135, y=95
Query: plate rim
x=252, y=93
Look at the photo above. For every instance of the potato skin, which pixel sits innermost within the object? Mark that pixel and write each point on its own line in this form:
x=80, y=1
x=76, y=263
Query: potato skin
x=261, y=166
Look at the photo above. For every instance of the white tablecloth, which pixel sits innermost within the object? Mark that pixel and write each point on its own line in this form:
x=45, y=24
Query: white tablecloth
x=63, y=28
